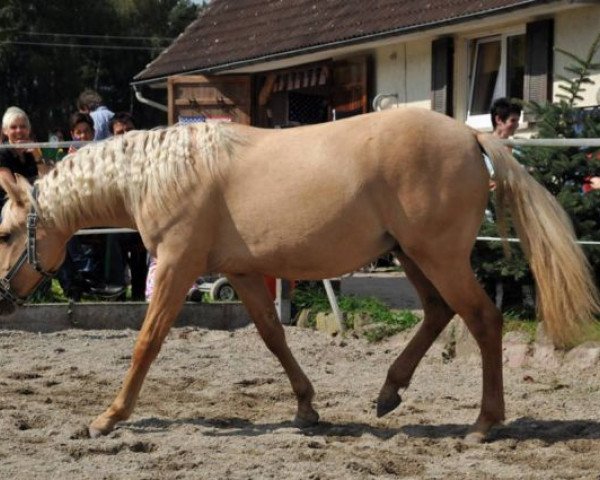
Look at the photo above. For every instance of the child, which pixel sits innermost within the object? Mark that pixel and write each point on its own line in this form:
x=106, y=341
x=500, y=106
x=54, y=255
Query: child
x=81, y=126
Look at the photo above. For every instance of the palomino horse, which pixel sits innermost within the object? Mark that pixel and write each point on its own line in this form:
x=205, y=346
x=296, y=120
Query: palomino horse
x=313, y=202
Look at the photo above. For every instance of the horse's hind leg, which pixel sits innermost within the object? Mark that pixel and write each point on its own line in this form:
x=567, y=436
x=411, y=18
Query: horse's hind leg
x=452, y=275
x=252, y=291
x=172, y=281
x=437, y=315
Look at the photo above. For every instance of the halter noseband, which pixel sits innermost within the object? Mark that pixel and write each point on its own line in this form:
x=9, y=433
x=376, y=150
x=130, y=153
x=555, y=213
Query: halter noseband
x=29, y=254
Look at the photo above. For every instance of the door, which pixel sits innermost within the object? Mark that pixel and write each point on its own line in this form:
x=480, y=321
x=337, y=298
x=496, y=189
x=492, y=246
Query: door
x=198, y=97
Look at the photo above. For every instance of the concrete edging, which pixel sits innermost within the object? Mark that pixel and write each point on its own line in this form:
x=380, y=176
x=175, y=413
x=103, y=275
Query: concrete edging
x=47, y=318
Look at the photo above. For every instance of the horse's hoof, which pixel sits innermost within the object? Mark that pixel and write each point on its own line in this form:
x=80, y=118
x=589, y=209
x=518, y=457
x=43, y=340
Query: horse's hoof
x=475, y=438
x=100, y=427
x=306, y=421
x=386, y=406
x=94, y=432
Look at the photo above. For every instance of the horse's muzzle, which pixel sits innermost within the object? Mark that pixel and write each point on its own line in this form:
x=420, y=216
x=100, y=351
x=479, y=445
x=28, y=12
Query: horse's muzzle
x=7, y=307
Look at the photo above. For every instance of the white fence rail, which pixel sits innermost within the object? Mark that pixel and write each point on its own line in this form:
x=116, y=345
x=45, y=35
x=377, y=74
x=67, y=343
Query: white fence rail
x=49, y=145
x=516, y=240
x=513, y=142
x=553, y=142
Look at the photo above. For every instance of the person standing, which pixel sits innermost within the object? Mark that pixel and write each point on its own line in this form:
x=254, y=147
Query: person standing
x=120, y=123
x=132, y=247
x=91, y=102
x=593, y=181
x=29, y=162
x=83, y=271
x=81, y=126
x=505, y=117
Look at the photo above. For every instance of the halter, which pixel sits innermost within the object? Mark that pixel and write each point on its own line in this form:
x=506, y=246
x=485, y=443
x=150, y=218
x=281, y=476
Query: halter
x=29, y=254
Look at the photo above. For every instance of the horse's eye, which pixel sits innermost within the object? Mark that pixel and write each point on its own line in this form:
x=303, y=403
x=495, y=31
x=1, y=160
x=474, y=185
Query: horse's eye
x=4, y=237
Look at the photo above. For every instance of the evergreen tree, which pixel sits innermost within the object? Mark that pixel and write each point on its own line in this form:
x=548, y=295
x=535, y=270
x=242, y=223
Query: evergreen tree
x=565, y=172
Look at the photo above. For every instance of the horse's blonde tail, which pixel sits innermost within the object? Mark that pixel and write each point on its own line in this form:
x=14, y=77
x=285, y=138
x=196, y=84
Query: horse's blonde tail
x=567, y=298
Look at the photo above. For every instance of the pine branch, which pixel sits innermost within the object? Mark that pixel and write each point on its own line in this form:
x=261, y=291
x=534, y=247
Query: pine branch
x=570, y=55
x=582, y=72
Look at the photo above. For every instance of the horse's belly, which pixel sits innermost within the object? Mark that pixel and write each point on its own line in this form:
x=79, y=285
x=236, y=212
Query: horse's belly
x=312, y=256
x=313, y=223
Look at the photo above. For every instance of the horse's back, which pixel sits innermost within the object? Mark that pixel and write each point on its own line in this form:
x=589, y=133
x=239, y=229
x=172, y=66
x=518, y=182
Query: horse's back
x=362, y=144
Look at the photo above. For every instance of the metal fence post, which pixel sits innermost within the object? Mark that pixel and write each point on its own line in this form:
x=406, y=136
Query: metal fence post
x=283, y=300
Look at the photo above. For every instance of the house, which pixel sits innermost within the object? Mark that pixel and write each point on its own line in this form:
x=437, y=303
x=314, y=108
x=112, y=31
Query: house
x=280, y=63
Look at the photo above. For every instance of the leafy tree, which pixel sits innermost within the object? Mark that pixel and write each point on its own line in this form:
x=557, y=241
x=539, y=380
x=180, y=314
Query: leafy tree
x=51, y=50
x=563, y=171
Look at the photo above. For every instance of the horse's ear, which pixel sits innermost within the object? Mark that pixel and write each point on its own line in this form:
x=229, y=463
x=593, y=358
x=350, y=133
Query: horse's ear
x=18, y=190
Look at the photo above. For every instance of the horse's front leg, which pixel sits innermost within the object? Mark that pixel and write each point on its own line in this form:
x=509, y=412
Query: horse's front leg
x=252, y=291
x=172, y=281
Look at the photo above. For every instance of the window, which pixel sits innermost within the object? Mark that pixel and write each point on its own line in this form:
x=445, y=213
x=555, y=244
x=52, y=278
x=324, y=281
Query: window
x=497, y=70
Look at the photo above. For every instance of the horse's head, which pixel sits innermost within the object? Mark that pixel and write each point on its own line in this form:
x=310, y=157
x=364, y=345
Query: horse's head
x=29, y=252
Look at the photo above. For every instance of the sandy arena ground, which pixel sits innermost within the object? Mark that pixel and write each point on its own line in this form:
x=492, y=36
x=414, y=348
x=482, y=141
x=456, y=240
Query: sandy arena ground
x=217, y=405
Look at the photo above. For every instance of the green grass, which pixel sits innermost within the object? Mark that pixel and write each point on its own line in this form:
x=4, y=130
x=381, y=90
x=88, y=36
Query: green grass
x=398, y=322
x=516, y=323
x=55, y=294
x=51, y=294
x=386, y=322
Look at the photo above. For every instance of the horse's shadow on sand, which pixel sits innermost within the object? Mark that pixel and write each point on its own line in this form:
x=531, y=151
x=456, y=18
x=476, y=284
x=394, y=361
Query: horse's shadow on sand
x=525, y=428
x=235, y=426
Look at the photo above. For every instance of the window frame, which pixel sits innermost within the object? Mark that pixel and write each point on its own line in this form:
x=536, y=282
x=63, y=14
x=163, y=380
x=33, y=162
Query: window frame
x=483, y=121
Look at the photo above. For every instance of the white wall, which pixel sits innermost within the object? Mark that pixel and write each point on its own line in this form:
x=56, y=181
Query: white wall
x=575, y=31
x=404, y=69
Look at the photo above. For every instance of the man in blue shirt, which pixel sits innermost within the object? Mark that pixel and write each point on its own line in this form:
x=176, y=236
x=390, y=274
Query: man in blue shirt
x=90, y=101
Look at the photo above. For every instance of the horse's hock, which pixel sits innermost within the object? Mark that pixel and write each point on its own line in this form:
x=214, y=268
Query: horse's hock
x=519, y=349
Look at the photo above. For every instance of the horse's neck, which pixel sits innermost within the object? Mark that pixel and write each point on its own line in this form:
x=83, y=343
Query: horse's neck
x=96, y=216
x=97, y=184
x=74, y=205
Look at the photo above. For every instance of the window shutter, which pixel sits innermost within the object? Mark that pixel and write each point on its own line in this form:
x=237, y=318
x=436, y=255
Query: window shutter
x=442, y=68
x=538, y=64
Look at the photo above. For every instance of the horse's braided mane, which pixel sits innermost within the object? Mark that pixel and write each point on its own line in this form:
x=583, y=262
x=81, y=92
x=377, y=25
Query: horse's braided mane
x=156, y=166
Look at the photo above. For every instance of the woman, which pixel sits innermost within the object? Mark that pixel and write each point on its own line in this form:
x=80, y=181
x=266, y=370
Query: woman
x=26, y=162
